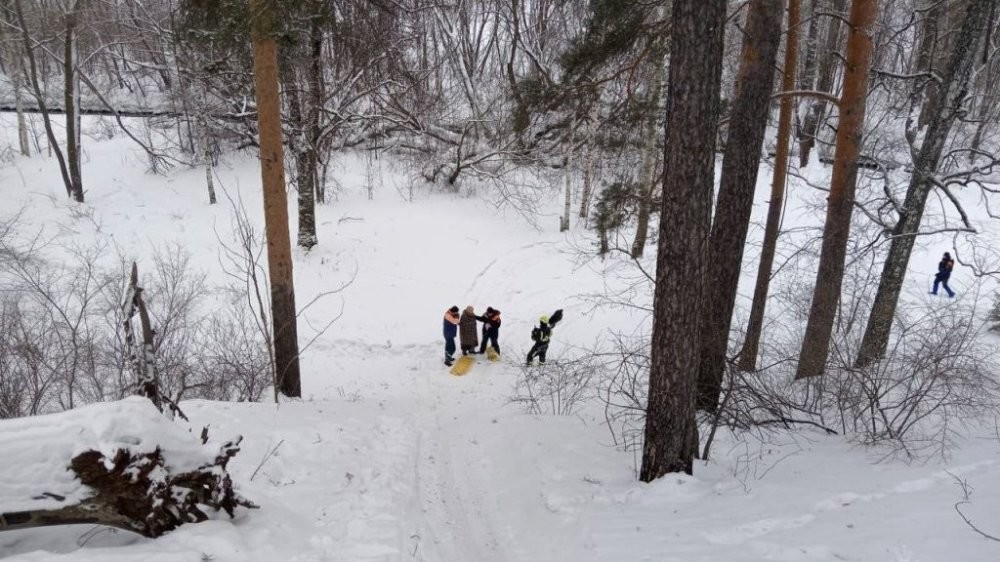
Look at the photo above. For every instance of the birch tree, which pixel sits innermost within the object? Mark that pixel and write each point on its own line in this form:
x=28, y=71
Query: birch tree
x=71, y=97
x=647, y=169
x=826, y=67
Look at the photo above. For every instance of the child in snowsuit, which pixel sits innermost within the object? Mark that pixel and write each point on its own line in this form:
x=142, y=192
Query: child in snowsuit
x=451, y=321
x=491, y=330
x=468, y=336
x=944, y=273
x=541, y=336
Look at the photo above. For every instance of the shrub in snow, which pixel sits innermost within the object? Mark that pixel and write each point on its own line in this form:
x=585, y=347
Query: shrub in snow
x=557, y=387
x=61, y=343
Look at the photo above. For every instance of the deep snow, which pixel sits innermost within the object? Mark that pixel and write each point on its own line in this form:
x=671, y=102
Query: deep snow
x=388, y=457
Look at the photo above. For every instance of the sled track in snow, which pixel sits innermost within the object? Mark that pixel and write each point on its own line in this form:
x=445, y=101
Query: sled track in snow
x=450, y=489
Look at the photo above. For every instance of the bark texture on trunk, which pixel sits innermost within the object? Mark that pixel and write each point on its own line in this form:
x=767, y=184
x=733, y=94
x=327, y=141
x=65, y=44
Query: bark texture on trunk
x=279, y=252
x=836, y=231
x=671, y=438
x=952, y=93
x=747, y=360
x=740, y=165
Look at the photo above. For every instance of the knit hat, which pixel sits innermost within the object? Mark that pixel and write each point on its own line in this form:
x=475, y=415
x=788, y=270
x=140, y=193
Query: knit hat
x=453, y=309
x=469, y=309
x=947, y=255
x=489, y=310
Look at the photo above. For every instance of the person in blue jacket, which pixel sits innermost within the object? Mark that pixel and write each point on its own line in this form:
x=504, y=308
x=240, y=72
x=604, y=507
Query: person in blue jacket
x=944, y=273
x=451, y=320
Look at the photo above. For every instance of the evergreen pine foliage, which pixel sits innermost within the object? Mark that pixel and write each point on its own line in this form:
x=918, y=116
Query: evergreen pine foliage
x=612, y=30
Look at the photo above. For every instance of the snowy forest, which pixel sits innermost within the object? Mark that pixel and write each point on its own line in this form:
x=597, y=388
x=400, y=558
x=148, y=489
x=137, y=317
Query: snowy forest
x=254, y=256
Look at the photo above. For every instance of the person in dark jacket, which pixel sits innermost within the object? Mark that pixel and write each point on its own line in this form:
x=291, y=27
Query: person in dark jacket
x=451, y=321
x=491, y=330
x=944, y=273
x=468, y=335
x=541, y=336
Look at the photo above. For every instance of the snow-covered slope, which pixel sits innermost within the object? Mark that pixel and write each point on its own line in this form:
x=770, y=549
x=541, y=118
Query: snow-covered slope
x=388, y=457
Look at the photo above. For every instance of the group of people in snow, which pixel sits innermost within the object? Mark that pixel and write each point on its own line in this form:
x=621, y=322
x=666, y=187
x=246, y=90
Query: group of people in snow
x=463, y=325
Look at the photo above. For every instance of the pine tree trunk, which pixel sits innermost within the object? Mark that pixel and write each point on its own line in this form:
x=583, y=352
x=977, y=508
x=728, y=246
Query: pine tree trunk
x=740, y=166
x=71, y=99
x=647, y=170
x=825, y=77
x=279, y=254
x=953, y=90
x=836, y=231
x=671, y=437
x=747, y=360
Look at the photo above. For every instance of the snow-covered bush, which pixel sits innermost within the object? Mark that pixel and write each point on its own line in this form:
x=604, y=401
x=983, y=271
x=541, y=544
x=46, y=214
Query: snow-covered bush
x=61, y=341
x=938, y=374
x=558, y=387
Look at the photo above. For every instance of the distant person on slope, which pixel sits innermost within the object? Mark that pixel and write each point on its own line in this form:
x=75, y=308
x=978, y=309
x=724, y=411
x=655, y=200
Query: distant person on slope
x=468, y=335
x=451, y=321
x=944, y=273
x=541, y=335
x=491, y=330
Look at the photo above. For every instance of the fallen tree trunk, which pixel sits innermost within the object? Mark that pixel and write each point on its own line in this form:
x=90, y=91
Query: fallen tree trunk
x=136, y=484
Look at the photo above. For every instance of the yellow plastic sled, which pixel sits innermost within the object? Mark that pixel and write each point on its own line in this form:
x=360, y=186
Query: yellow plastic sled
x=462, y=365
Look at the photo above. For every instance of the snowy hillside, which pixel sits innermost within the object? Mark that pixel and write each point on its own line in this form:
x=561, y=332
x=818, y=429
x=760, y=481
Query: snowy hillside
x=388, y=457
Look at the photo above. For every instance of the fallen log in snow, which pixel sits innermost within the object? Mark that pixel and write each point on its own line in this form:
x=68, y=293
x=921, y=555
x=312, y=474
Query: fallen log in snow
x=121, y=464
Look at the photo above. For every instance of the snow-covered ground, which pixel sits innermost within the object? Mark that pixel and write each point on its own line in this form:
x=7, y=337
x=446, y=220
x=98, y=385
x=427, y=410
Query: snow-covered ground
x=388, y=457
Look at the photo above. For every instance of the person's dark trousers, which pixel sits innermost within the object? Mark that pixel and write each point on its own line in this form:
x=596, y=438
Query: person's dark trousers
x=538, y=350
x=449, y=349
x=489, y=339
x=943, y=281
